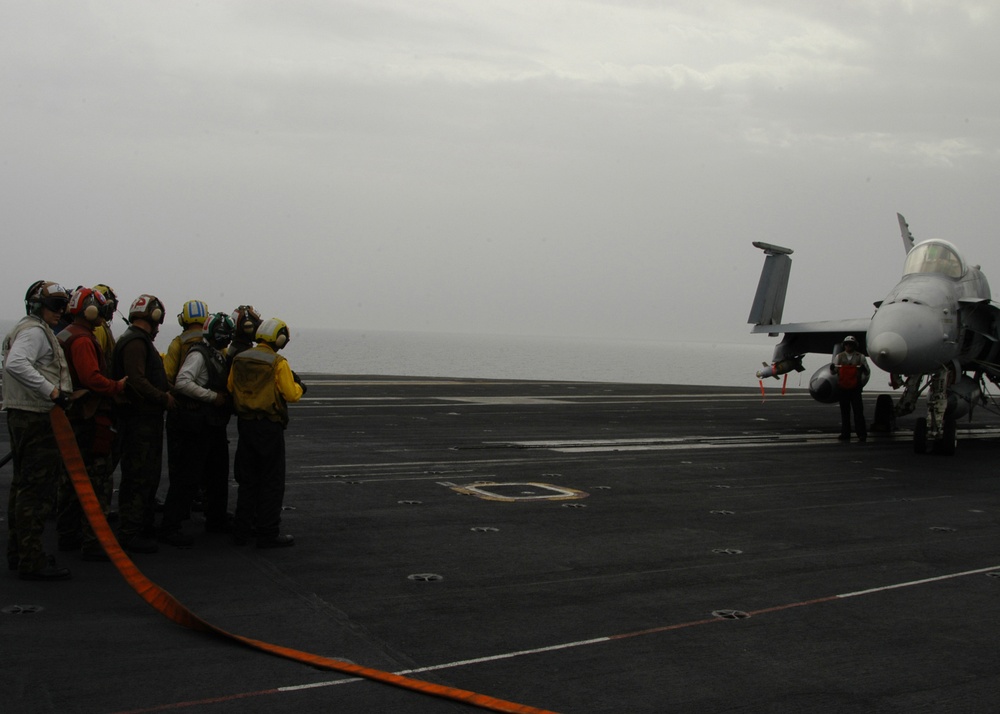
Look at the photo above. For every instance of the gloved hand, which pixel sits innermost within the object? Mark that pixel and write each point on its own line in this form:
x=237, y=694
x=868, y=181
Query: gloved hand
x=298, y=381
x=62, y=400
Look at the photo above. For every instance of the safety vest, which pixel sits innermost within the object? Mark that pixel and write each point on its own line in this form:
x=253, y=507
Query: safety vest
x=255, y=389
x=88, y=405
x=177, y=351
x=218, y=376
x=847, y=376
x=154, y=370
x=56, y=371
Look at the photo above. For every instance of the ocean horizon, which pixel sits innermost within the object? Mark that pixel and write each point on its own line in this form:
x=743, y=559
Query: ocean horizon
x=523, y=357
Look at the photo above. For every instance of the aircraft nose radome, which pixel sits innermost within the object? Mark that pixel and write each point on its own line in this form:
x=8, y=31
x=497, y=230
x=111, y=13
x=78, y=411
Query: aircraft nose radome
x=908, y=338
x=887, y=350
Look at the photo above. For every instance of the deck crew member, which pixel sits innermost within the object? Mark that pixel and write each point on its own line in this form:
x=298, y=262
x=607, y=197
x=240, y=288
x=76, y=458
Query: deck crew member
x=35, y=379
x=191, y=318
x=852, y=372
x=102, y=330
x=262, y=383
x=198, y=428
x=246, y=320
x=141, y=423
x=91, y=417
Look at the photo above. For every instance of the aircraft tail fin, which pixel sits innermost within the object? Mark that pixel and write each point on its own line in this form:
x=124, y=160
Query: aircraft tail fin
x=904, y=229
x=769, y=302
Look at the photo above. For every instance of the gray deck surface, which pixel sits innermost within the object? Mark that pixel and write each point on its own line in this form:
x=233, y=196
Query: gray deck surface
x=696, y=503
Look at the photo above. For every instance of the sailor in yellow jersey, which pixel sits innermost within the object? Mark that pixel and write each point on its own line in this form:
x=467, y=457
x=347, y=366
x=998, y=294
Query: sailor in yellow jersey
x=191, y=318
x=102, y=330
x=262, y=384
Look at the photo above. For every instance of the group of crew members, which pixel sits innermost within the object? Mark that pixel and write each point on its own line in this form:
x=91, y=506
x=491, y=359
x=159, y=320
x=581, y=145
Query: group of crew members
x=118, y=396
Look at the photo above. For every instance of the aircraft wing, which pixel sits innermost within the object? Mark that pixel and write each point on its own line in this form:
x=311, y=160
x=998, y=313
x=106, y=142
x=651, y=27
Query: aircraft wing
x=818, y=337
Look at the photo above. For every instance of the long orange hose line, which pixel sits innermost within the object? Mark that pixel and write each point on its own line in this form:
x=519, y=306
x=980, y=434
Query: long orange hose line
x=168, y=605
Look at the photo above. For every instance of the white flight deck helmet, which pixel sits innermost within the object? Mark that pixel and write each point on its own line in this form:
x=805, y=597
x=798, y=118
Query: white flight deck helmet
x=274, y=332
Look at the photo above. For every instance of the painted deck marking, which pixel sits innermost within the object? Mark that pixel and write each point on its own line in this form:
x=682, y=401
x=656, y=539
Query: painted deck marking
x=577, y=643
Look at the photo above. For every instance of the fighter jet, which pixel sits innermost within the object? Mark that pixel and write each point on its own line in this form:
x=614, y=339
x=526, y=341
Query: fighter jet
x=936, y=331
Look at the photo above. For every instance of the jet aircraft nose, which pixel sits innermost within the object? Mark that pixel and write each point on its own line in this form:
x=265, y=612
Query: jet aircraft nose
x=910, y=338
x=887, y=350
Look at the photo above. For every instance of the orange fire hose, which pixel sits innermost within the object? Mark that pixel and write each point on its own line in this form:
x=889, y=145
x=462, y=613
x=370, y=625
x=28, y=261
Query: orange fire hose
x=168, y=605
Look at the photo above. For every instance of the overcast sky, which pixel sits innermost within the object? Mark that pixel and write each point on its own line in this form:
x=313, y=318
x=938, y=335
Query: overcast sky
x=509, y=167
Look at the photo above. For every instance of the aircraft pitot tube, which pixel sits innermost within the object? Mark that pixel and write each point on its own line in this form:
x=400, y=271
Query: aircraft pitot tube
x=779, y=368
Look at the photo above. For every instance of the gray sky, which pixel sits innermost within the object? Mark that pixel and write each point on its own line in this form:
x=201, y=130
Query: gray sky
x=573, y=168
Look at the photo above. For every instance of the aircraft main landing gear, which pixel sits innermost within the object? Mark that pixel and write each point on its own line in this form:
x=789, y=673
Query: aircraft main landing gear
x=945, y=443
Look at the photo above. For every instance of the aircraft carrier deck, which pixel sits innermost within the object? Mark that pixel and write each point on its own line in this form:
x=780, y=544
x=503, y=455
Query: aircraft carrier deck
x=573, y=547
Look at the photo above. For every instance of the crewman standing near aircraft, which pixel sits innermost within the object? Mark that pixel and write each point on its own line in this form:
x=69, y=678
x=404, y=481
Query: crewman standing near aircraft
x=852, y=372
x=262, y=383
x=141, y=423
x=91, y=417
x=35, y=378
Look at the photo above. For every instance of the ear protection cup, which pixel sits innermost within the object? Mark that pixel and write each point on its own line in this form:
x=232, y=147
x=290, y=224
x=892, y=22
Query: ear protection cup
x=275, y=332
x=247, y=320
x=86, y=302
x=157, y=312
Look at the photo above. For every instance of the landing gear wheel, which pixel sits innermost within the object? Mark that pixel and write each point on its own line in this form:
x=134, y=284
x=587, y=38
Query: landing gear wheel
x=920, y=436
x=949, y=437
x=885, y=416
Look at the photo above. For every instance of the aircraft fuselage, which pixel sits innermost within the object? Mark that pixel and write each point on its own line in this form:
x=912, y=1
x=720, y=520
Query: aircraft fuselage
x=925, y=321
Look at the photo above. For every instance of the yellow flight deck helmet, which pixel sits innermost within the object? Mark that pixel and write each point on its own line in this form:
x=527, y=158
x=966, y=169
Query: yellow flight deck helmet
x=108, y=309
x=194, y=312
x=274, y=332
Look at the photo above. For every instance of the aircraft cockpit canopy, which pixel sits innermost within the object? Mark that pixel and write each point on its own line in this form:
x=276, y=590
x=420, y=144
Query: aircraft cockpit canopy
x=934, y=256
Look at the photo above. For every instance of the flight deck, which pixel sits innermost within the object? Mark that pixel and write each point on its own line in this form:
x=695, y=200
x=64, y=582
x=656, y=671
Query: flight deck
x=567, y=546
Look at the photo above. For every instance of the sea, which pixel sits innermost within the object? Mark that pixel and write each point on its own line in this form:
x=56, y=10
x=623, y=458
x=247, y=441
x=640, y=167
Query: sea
x=358, y=352
x=531, y=357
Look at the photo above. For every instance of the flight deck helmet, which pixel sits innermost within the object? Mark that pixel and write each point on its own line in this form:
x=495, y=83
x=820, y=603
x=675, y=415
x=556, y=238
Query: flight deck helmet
x=218, y=330
x=194, y=312
x=274, y=332
x=147, y=307
x=88, y=303
x=246, y=321
x=44, y=293
x=111, y=301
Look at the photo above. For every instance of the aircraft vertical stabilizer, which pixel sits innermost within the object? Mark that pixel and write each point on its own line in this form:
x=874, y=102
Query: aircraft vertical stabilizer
x=904, y=230
x=769, y=302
